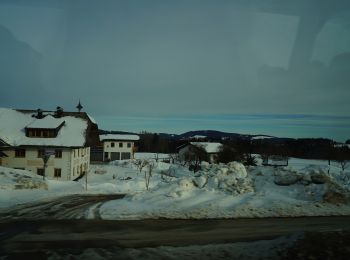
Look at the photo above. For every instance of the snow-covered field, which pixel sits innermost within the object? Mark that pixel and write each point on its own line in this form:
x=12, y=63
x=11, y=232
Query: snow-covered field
x=304, y=188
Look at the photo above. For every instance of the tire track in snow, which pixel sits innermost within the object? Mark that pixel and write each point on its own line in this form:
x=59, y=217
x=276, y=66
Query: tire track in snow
x=68, y=207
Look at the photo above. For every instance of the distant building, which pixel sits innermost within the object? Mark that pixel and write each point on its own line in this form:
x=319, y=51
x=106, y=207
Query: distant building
x=275, y=160
x=27, y=135
x=118, y=147
x=212, y=150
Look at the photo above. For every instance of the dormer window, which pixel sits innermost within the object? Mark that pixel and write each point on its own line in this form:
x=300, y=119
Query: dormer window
x=41, y=133
x=47, y=127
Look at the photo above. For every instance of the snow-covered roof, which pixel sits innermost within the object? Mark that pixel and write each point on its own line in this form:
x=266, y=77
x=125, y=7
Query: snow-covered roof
x=259, y=137
x=119, y=137
x=13, y=124
x=198, y=137
x=48, y=122
x=92, y=119
x=208, y=147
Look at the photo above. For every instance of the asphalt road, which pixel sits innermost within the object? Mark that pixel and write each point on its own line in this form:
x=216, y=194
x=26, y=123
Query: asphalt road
x=27, y=235
x=60, y=224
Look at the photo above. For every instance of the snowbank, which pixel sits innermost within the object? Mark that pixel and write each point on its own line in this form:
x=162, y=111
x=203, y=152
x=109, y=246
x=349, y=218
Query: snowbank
x=232, y=191
x=304, y=188
x=20, y=186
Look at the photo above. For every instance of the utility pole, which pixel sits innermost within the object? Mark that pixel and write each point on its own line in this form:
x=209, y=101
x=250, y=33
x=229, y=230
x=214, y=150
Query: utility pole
x=86, y=180
x=46, y=157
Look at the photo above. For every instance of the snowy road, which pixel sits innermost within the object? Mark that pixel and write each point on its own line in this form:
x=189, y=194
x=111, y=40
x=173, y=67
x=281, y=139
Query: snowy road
x=79, y=234
x=66, y=207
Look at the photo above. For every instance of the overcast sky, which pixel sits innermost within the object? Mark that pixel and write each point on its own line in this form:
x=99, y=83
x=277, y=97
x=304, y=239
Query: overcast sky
x=164, y=65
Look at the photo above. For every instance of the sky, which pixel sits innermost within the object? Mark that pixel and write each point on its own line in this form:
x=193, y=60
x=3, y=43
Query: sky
x=269, y=66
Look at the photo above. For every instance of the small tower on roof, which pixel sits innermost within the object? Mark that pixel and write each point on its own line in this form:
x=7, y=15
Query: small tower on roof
x=79, y=106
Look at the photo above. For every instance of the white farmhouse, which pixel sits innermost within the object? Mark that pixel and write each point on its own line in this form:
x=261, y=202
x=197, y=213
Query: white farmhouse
x=118, y=147
x=26, y=135
x=212, y=149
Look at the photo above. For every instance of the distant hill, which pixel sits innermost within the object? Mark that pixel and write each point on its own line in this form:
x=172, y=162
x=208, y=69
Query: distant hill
x=209, y=135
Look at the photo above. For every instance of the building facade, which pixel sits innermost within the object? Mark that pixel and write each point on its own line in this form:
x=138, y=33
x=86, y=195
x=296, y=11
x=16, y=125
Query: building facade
x=30, y=135
x=118, y=147
x=190, y=150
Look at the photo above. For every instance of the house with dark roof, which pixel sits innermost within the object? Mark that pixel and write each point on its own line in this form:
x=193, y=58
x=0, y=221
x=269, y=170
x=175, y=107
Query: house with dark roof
x=65, y=138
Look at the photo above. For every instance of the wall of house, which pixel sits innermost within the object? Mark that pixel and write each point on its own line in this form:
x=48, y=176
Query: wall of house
x=71, y=166
x=108, y=150
x=80, y=161
x=185, y=150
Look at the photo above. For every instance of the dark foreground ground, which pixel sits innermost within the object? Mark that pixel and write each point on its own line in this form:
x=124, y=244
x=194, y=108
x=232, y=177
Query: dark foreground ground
x=275, y=238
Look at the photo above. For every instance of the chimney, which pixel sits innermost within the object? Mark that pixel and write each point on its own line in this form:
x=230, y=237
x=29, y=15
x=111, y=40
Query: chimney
x=39, y=114
x=59, y=112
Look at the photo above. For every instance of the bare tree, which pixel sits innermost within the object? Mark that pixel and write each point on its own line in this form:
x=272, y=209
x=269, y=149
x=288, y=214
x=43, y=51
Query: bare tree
x=228, y=154
x=342, y=156
x=140, y=164
x=148, y=173
x=194, y=156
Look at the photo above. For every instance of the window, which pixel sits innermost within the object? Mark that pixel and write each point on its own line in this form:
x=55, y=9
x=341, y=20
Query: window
x=40, y=171
x=73, y=171
x=129, y=145
x=58, y=153
x=126, y=156
x=45, y=133
x=120, y=144
x=57, y=173
x=31, y=133
x=51, y=133
x=112, y=144
x=41, y=153
x=20, y=153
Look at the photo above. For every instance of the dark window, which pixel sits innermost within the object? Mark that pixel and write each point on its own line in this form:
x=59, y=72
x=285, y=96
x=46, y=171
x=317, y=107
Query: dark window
x=37, y=133
x=112, y=144
x=45, y=133
x=41, y=153
x=129, y=145
x=106, y=155
x=115, y=156
x=58, y=153
x=126, y=156
x=51, y=133
x=120, y=144
x=20, y=153
x=57, y=173
x=40, y=171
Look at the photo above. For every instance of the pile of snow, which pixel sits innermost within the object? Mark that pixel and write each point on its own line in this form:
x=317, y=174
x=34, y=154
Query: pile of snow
x=231, y=178
x=12, y=179
x=20, y=186
x=304, y=188
x=233, y=191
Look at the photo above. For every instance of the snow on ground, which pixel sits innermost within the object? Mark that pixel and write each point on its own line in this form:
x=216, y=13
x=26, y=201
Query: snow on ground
x=230, y=191
x=304, y=188
x=19, y=186
x=147, y=156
